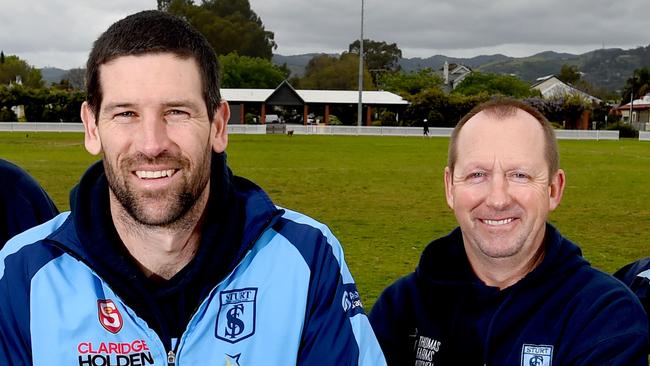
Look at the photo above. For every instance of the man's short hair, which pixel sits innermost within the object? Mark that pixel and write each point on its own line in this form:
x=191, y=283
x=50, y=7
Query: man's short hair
x=502, y=108
x=151, y=32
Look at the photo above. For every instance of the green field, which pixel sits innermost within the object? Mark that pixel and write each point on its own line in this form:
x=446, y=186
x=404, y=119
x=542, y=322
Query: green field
x=383, y=196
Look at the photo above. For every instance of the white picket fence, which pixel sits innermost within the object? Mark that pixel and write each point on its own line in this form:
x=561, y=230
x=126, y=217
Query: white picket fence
x=323, y=130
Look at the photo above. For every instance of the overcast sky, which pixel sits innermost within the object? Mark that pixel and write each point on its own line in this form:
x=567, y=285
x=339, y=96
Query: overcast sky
x=59, y=33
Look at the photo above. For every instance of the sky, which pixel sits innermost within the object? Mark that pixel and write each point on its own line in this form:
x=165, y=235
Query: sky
x=59, y=33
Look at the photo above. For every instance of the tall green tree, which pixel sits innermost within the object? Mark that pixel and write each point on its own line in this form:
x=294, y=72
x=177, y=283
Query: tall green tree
x=638, y=83
x=569, y=74
x=334, y=73
x=229, y=25
x=409, y=83
x=14, y=66
x=493, y=84
x=250, y=72
x=379, y=56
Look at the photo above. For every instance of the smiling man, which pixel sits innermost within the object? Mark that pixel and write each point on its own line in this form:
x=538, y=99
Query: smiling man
x=505, y=288
x=166, y=257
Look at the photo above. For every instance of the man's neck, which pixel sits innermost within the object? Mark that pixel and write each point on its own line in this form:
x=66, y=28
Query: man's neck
x=504, y=272
x=161, y=251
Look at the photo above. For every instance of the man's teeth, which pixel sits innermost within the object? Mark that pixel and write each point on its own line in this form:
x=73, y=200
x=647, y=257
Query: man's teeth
x=148, y=174
x=497, y=222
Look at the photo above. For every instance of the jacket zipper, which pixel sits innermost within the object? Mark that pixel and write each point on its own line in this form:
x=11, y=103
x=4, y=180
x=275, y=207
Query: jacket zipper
x=171, y=358
x=171, y=355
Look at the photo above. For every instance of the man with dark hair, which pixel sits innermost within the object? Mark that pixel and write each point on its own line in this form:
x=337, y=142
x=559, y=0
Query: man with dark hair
x=23, y=203
x=505, y=288
x=166, y=257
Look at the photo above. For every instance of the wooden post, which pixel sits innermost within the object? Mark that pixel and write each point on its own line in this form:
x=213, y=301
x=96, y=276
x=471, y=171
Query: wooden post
x=242, y=115
x=326, y=117
x=263, y=114
x=305, y=113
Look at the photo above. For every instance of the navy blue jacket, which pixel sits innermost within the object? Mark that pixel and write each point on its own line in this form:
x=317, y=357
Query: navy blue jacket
x=562, y=313
x=637, y=276
x=23, y=203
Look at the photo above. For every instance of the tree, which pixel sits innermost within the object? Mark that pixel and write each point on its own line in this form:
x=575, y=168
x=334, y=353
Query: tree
x=2, y=57
x=409, y=83
x=14, y=66
x=378, y=56
x=638, y=83
x=439, y=108
x=229, y=25
x=334, y=73
x=250, y=72
x=569, y=74
x=493, y=84
x=163, y=5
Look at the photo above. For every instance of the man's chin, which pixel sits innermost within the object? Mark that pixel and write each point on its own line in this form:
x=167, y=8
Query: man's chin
x=156, y=218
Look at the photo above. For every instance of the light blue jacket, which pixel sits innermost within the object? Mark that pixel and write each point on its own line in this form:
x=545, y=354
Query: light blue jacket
x=290, y=300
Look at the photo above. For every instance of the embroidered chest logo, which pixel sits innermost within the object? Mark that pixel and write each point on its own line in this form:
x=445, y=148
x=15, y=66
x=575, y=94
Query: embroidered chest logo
x=536, y=355
x=109, y=317
x=236, y=317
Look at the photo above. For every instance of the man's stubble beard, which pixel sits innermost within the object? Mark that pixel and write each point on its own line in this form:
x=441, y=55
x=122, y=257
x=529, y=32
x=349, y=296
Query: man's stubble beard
x=181, y=211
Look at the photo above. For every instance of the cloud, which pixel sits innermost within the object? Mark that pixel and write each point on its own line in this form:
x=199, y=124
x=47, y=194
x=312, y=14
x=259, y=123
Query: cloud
x=60, y=33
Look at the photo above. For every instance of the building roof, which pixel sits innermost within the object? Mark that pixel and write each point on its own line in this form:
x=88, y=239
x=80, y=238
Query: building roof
x=314, y=96
x=552, y=86
x=642, y=103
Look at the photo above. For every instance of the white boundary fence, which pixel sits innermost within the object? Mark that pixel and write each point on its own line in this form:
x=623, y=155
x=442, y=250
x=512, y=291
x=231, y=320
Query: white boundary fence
x=586, y=135
x=323, y=130
x=644, y=136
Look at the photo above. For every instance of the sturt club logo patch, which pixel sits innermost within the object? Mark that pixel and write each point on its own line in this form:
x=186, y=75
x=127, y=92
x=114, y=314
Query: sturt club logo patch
x=109, y=317
x=236, y=317
x=536, y=355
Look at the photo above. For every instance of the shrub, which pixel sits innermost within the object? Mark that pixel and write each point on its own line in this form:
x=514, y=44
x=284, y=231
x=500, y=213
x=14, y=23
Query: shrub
x=624, y=130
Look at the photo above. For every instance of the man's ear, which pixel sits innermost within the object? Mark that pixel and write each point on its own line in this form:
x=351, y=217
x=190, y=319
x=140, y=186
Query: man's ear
x=449, y=183
x=92, y=140
x=220, y=127
x=556, y=189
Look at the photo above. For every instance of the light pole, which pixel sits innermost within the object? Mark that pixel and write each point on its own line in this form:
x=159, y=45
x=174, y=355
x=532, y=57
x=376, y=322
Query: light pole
x=360, y=105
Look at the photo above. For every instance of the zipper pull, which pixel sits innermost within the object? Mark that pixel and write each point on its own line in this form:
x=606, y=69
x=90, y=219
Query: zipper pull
x=171, y=358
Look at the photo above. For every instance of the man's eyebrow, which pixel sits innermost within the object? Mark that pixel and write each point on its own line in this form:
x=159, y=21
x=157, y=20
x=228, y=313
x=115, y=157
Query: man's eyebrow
x=181, y=103
x=113, y=106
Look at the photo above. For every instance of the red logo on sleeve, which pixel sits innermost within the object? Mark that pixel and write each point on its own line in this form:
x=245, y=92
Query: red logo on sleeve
x=109, y=317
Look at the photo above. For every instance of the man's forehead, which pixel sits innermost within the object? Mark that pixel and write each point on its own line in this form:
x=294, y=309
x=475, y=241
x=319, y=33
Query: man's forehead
x=508, y=135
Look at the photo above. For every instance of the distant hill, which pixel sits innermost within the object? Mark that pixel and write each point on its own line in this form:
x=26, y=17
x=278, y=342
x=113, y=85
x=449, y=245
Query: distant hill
x=52, y=74
x=604, y=68
x=296, y=64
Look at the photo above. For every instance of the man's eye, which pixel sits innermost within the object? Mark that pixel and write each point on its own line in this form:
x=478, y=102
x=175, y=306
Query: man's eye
x=176, y=115
x=519, y=176
x=125, y=114
x=476, y=176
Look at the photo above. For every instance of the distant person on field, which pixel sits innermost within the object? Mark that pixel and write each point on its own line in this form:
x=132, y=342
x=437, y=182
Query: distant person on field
x=166, y=257
x=636, y=276
x=505, y=287
x=23, y=203
x=425, y=127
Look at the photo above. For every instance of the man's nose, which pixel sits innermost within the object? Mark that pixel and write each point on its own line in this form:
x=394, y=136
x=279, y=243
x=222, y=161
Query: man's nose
x=153, y=137
x=498, y=195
